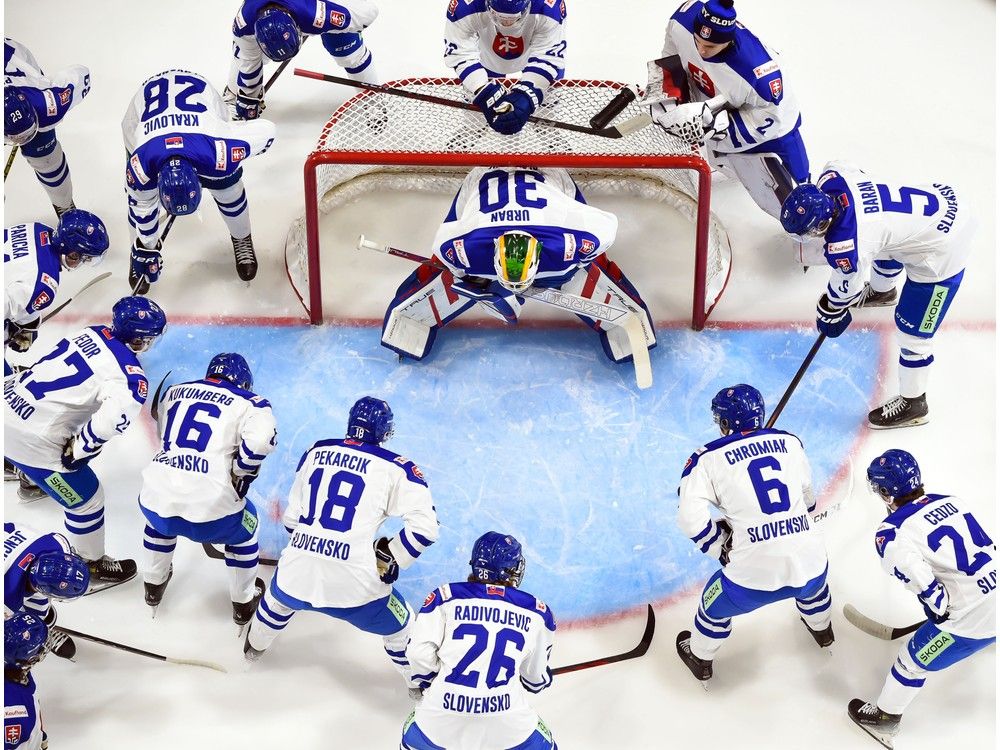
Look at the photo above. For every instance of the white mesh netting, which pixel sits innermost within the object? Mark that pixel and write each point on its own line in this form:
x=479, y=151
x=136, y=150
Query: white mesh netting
x=381, y=142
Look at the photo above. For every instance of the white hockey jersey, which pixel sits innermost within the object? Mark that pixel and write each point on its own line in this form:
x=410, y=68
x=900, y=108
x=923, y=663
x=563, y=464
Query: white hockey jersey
x=56, y=95
x=762, y=483
x=747, y=73
x=937, y=540
x=343, y=491
x=89, y=388
x=482, y=648
x=924, y=227
x=210, y=430
x=545, y=203
x=477, y=50
x=31, y=269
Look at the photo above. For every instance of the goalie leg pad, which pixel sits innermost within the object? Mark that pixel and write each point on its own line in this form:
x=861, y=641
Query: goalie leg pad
x=603, y=281
x=424, y=302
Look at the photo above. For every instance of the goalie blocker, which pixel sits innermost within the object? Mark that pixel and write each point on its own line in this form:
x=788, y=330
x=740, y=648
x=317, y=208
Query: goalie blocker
x=431, y=297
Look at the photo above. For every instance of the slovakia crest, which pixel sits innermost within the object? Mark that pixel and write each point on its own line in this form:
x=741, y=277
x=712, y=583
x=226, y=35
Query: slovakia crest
x=845, y=265
x=540, y=605
x=338, y=19
x=701, y=80
x=416, y=471
x=237, y=153
x=775, y=84
x=508, y=47
x=64, y=96
x=41, y=300
x=430, y=598
x=143, y=387
x=588, y=247
x=12, y=734
x=452, y=7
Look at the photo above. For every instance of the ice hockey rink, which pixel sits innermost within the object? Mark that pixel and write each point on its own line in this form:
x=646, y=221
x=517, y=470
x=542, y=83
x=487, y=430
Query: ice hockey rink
x=532, y=431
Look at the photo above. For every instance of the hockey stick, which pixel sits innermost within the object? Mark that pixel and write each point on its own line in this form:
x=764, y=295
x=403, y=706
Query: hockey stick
x=154, y=408
x=613, y=314
x=10, y=162
x=616, y=131
x=640, y=649
x=79, y=291
x=139, y=651
x=795, y=380
x=215, y=554
x=877, y=629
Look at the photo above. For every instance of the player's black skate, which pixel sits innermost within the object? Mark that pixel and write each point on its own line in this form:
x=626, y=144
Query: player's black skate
x=871, y=298
x=154, y=591
x=249, y=652
x=246, y=259
x=60, y=210
x=700, y=668
x=106, y=573
x=823, y=638
x=243, y=612
x=27, y=490
x=880, y=725
x=9, y=471
x=60, y=644
x=899, y=412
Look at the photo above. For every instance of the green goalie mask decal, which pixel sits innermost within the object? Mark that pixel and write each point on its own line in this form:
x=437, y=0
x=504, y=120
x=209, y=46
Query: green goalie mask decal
x=516, y=260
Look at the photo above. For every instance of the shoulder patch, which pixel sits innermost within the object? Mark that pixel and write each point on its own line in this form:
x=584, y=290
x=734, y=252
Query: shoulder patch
x=433, y=595
x=540, y=606
x=492, y=590
x=766, y=69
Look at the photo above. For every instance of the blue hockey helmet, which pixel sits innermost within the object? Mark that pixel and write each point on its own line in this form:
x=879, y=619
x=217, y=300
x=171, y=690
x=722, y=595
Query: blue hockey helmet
x=370, y=420
x=807, y=211
x=180, y=189
x=137, y=322
x=739, y=408
x=497, y=558
x=81, y=237
x=24, y=635
x=894, y=474
x=231, y=367
x=59, y=575
x=508, y=13
x=277, y=34
x=20, y=123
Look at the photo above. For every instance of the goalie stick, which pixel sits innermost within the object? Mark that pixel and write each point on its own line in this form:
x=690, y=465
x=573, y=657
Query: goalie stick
x=877, y=629
x=139, y=651
x=640, y=649
x=615, y=131
x=607, y=313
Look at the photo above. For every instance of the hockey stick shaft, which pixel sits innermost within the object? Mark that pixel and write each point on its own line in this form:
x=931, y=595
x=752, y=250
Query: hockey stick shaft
x=10, y=162
x=640, y=649
x=886, y=632
x=275, y=74
x=154, y=408
x=79, y=291
x=431, y=99
x=795, y=380
x=139, y=651
x=212, y=552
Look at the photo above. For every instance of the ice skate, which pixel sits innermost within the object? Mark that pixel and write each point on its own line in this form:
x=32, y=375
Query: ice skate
x=61, y=645
x=106, y=573
x=880, y=725
x=250, y=653
x=246, y=259
x=824, y=638
x=871, y=298
x=700, y=668
x=154, y=591
x=60, y=210
x=243, y=612
x=899, y=412
x=28, y=491
x=9, y=471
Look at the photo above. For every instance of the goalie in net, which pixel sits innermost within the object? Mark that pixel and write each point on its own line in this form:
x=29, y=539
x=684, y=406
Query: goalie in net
x=509, y=230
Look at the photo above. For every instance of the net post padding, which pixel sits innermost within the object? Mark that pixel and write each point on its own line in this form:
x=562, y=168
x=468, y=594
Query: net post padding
x=375, y=142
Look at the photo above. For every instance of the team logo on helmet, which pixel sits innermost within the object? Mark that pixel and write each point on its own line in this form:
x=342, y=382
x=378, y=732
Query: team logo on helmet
x=800, y=210
x=706, y=32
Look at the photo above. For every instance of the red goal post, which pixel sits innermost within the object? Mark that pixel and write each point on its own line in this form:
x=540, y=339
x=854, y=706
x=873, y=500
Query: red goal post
x=379, y=141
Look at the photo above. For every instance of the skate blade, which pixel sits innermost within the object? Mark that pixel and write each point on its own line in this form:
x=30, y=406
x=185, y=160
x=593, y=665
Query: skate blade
x=912, y=423
x=99, y=586
x=241, y=629
x=883, y=739
x=152, y=611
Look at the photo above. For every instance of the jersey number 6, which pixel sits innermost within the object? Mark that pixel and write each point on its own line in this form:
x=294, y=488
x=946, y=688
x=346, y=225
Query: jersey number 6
x=772, y=494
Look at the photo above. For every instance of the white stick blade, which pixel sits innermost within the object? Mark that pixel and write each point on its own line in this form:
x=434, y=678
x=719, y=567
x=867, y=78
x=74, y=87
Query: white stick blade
x=866, y=624
x=640, y=354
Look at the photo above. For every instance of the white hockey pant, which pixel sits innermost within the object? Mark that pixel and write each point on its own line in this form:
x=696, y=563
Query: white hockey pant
x=51, y=169
x=604, y=282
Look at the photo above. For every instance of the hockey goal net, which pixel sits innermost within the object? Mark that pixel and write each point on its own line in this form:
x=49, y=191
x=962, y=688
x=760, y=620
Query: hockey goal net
x=378, y=142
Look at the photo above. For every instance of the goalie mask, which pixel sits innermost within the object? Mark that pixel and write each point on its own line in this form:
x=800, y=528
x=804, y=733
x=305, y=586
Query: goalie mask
x=516, y=260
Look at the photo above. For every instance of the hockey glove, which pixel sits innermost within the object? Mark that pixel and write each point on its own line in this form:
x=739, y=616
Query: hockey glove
x=498, y=301
x=23, y=336
x=518, y=106
x=242, y=483
x=248, y=108
x=831, y=320
x=385, y=561
x=935, y=602
x=145, y=267
x=69, y=462
x=488, y=98
x=727, y=544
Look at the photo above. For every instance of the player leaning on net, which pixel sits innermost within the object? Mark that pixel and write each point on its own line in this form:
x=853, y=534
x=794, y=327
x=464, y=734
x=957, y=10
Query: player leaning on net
x=756, y=136
x=61, y=412
x=477, y=647
x=38, y=568
x=33, y=105
x=508, y=230
x=34, y=256
x=489, y=39
x=760, y=481
x=275, y=29
x=24, y=638
x=178, y=139
x=343, y=491
x=937, y=548
x=879, y=230
x=215, y=433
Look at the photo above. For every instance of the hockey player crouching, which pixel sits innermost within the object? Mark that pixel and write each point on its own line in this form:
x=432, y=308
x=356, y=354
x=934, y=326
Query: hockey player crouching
x=508, y=230
x=477, y=646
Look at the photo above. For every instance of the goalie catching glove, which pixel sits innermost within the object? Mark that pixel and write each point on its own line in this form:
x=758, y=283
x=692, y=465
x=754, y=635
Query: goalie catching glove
x=691, y=122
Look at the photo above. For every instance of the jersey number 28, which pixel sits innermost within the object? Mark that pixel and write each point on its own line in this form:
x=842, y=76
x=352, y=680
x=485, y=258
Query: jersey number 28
x=157, y=95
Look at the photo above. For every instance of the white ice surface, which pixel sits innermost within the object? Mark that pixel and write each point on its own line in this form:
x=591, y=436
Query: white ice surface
x=902, y=87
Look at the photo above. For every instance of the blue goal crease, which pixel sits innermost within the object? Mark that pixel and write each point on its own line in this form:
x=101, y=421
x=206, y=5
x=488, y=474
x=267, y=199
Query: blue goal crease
x=537, y=434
